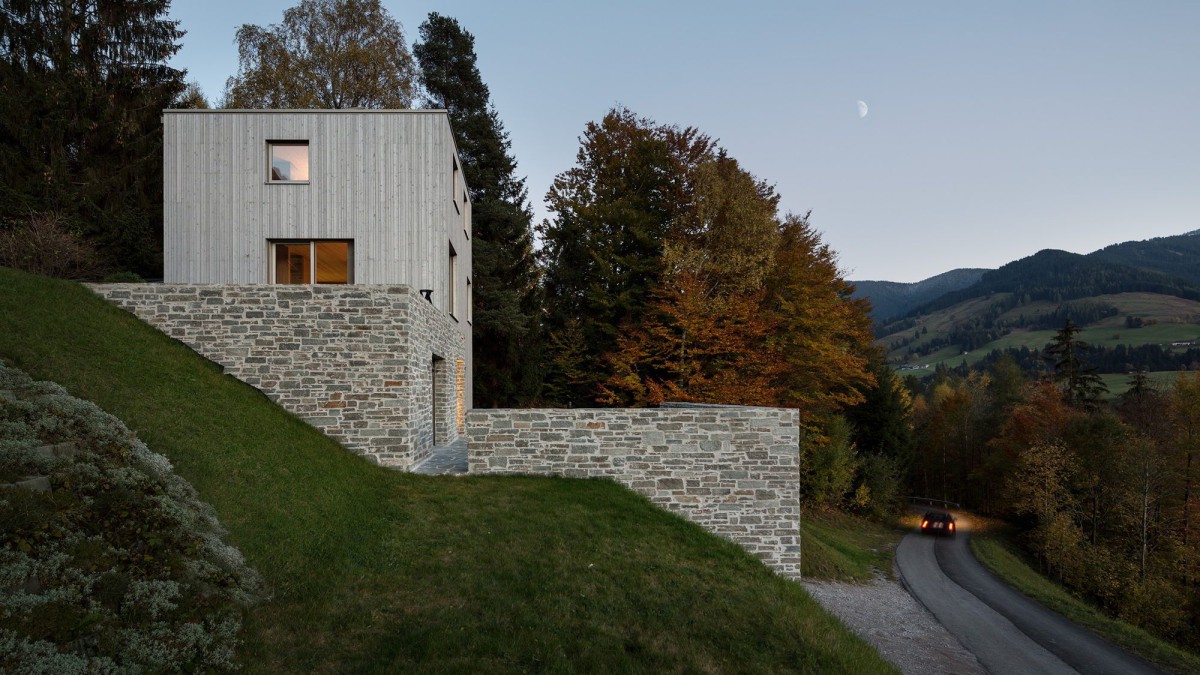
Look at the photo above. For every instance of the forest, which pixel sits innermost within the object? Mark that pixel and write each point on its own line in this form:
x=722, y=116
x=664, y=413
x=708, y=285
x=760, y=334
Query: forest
x=1104, y=494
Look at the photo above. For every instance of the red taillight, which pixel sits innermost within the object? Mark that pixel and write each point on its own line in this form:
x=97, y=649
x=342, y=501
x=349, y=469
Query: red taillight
x=924, y=524
x=951, y=527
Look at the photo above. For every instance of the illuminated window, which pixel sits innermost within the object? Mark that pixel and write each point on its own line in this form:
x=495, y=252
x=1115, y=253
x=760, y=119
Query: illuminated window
x=452, y=304
x=287, y=161
x=312, y=262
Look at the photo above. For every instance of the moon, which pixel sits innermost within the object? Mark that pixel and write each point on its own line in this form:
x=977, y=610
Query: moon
x=862, y=109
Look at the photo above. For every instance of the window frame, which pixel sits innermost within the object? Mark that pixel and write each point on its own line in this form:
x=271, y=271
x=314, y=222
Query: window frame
x=272, y=262
x=452, y=291
x=271, y=145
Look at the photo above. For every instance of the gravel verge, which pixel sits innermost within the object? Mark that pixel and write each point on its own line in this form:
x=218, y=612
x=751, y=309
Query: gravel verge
x=884, y=614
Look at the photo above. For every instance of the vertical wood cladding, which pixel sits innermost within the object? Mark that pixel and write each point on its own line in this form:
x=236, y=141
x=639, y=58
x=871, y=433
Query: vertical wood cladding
x=382, y=178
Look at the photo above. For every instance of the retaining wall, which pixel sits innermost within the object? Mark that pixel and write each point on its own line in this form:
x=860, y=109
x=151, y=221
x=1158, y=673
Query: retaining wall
x=732, y=470
x=355, y=361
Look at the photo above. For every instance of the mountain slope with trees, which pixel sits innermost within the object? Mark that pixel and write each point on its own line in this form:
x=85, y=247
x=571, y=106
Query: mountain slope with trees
x=890, y=299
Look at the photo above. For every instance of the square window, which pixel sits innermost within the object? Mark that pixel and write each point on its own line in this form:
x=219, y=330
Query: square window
x=287, y=162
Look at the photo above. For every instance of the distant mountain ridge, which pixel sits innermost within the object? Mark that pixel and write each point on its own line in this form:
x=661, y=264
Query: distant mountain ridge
x=1165, y=265
x=891, y=299
x=1178, y=255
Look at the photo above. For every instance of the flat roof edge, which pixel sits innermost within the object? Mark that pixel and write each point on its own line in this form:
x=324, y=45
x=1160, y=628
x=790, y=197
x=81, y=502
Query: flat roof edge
x=290, y=111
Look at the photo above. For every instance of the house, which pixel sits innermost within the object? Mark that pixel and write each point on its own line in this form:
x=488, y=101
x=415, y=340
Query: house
x=324, y=257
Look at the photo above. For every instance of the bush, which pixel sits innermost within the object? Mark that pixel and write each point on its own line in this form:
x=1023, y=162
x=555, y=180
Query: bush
x=44, y=244
x=120, y=566
x=124, y=278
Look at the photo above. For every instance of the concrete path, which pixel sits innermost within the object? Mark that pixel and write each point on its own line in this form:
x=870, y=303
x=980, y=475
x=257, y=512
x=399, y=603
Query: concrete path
x=444, y=460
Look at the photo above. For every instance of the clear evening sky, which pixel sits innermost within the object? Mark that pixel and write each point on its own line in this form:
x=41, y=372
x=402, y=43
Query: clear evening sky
x=995, y=129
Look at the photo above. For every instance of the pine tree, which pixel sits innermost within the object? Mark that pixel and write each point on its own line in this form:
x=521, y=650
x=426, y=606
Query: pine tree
x=1080, y=383
x=507, y=298
x=82, y=89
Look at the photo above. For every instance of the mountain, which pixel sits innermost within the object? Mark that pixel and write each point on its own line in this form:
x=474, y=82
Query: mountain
x=1177, y=256
x=1138, y=303
x=1058, y=276
x=890, y=299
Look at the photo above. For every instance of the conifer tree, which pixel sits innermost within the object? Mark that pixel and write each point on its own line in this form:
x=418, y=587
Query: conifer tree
x=82, y=89
x=1080, y=383
x=504, y=279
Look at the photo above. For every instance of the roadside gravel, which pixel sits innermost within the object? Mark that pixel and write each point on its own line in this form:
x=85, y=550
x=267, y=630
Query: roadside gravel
x=905, y=633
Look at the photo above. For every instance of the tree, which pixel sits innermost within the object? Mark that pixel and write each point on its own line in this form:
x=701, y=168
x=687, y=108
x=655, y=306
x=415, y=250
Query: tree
x=696, y=345
x=82, y=87
x=507, y=297
x=825, y=335
x=883, y=421
x=602, y=249
x=1185, y=404
x=707, y=335
x=1082, y=386
x=325, y=54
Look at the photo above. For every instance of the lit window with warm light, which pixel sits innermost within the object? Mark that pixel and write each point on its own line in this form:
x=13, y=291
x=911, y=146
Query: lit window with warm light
x=312, y=262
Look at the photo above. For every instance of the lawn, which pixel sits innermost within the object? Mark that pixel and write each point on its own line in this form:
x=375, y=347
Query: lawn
x=375, y=570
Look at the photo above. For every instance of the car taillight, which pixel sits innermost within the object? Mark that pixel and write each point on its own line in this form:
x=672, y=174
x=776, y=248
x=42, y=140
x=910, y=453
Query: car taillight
x=951, y=526
x=924, y=523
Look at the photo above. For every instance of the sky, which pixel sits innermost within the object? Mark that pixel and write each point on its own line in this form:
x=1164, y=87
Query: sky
x=995, y=129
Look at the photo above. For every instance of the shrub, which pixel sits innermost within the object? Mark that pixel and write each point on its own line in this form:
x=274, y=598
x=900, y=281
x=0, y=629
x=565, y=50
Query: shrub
x=121, y=566
x=44, y=244
x=124, y=278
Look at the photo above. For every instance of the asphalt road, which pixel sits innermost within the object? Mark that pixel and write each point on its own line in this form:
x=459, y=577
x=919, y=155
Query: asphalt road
x=1007, y=632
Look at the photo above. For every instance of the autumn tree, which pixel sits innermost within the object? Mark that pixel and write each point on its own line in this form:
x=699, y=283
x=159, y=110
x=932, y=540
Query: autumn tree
x=82, y=89
x=1041, y=488
x=707, y=334
x=325, y=54
x=1185, y=406
x=825, y=335
x=507, y=300
x=602, y=248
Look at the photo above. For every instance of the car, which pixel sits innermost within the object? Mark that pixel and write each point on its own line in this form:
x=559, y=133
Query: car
x=938, y=523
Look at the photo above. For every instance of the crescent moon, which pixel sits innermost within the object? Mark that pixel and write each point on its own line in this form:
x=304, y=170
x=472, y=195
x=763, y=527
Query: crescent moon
x=862, y=109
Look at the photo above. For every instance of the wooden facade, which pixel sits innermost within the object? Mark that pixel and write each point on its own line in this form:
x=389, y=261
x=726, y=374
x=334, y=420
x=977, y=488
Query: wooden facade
x=387, y=181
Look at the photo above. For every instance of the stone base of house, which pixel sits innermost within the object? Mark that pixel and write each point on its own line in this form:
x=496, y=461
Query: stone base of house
x=732, y=470
x=377, y=368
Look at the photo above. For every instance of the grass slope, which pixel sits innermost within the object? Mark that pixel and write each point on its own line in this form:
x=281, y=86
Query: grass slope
x=374, y=570
x=1178, y=320
x=846, y=548
x=1003, y=559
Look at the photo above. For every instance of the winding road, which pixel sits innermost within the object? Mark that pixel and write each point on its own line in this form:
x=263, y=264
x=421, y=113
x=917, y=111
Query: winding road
x=1007, y=632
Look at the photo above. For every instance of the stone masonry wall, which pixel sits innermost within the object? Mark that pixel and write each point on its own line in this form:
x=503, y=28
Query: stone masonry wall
x=354, y=361
x=732, y=470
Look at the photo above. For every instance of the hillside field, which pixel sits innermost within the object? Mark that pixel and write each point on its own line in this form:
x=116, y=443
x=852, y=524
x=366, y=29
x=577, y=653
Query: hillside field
x=1174, y=320
x=371, y=569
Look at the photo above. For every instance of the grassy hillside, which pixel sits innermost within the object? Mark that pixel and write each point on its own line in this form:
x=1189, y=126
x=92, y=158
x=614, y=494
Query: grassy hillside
x=374, y=570
x=1171, y=319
